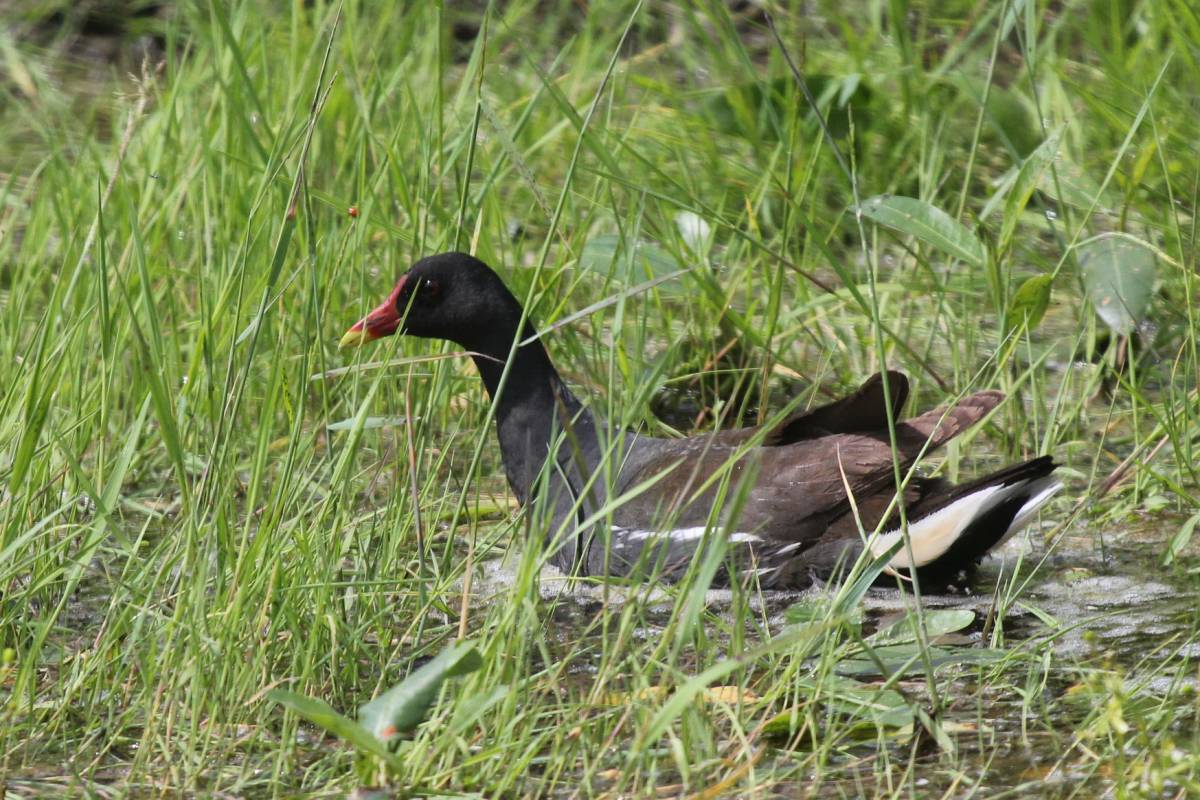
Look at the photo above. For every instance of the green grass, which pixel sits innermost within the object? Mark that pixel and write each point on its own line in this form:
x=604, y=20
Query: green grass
x=184, y=525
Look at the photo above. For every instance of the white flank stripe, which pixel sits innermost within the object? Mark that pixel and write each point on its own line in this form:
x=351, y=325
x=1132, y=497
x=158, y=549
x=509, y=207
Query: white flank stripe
x=679, y=535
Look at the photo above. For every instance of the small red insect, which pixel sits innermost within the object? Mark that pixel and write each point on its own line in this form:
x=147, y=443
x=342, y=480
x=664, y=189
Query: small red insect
x=352, y=211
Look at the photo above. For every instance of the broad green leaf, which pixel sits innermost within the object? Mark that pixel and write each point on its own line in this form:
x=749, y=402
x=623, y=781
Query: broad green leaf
x=602, y=254
x=860, y=716
x=1069, y=184
x=816, y=608
x=861, y=705
x=369, y=423
x=401, y=708
x=1119, y=277
x=934, y=227
x=1028, y=178
x=937, y=623
x=1180, y=540
x=1029, y=302
x=1009, y=114
x=906, y=659
x=318, y=712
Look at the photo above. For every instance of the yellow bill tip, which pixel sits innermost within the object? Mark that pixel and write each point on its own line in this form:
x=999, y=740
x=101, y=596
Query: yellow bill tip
x=355, y=337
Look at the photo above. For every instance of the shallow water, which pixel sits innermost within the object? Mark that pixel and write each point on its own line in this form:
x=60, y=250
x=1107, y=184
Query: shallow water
x=1103, y=611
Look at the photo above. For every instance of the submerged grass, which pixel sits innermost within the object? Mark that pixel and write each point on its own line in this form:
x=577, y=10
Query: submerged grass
x=204, y=500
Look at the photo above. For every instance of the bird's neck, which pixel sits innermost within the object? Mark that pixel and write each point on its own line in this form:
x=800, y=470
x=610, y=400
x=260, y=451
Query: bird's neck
x=533, y=407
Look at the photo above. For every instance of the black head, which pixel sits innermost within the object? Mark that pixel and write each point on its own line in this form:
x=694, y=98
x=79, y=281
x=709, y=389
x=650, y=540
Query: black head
x=448, y=296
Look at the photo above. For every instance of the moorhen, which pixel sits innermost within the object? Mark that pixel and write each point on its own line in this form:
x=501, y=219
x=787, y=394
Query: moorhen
x=614, y=502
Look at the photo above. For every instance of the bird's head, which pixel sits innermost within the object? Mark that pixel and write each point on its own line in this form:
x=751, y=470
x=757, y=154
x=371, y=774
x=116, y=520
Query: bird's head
x=448, y=296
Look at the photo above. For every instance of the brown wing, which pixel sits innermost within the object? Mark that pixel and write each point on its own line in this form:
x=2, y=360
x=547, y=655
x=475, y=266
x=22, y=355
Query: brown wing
x=798, y=489
x=815, y=467
x=864, y=410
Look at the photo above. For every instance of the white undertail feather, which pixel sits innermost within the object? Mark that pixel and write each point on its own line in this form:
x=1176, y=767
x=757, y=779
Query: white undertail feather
x=933, y=535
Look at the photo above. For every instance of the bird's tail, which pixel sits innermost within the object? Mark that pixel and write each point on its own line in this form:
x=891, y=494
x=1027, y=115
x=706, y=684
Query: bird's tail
x=951, y=531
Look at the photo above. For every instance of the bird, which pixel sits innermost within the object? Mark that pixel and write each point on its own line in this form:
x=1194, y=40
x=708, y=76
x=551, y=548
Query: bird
x=793, y=502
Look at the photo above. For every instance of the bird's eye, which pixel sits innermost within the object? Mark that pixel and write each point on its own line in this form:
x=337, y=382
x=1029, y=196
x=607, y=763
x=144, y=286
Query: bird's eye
x=431, y=290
